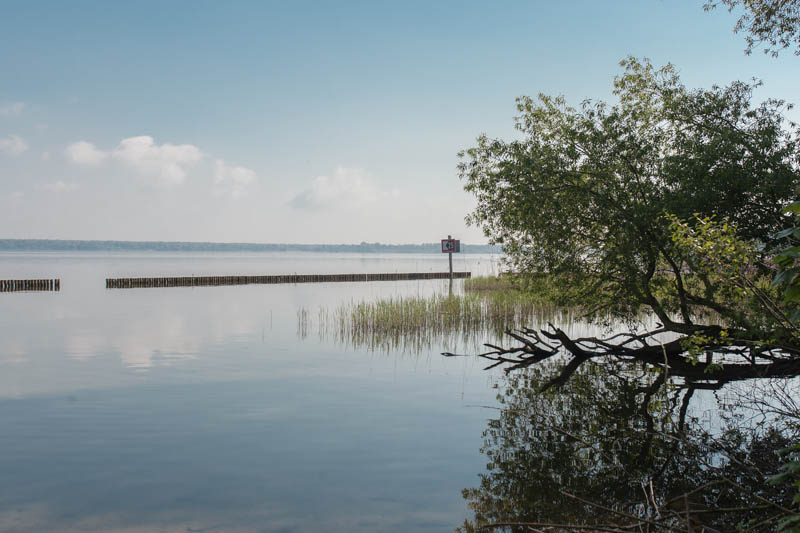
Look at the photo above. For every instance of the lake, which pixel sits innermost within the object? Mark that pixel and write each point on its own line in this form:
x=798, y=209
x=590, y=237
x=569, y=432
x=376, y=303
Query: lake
x=203, y=409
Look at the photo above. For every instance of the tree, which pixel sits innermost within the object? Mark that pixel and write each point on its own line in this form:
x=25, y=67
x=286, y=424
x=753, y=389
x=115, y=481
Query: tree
x=608, y=202
x=774, y=23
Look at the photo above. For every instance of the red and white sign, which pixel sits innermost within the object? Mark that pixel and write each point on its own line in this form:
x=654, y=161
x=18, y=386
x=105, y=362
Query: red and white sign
x=451, y=246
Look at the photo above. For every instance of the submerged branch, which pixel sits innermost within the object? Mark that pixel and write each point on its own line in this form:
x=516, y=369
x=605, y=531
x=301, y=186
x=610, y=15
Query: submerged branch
x=670, y=356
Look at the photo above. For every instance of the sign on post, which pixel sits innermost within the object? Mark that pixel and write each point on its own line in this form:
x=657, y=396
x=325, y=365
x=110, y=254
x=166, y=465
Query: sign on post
x=451, y=246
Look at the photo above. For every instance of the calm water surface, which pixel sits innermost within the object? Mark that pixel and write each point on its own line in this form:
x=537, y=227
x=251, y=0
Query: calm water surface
x=200, y=409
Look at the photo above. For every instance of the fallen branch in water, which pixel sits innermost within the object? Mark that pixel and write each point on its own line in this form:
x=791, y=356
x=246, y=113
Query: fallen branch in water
x=672, y=356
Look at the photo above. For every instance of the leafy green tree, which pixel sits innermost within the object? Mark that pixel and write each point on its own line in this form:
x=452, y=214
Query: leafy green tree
x=592, y=197
x=788, y=262
x=712, y=250
x=773, y=23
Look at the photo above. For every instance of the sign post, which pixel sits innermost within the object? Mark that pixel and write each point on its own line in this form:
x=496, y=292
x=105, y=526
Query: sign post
x=451, y=246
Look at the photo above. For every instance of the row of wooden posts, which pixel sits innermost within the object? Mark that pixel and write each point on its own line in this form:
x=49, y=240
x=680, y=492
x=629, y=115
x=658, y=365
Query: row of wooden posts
x=200, y=281
x=15, y=285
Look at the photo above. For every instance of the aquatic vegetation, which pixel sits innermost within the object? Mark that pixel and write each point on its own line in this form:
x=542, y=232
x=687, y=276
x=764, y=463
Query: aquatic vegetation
x=414, y=323
x=491, y=283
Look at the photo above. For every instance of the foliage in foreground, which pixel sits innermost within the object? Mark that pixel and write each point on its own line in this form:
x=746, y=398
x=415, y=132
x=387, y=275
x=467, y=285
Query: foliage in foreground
x=584, y=195
x=671, y=200
x=772, y=23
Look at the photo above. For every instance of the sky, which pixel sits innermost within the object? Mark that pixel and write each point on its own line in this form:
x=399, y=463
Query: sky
x=305, y=122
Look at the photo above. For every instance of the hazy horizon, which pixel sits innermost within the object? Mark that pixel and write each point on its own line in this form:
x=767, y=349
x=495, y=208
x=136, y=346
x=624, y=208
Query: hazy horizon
x=42, y=244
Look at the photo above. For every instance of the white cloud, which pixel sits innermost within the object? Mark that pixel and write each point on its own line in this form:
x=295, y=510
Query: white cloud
x=11, y=108
x=85, y=153
x=13, y=145
x=16, y=195
x=167, y=162
x=232, y=179
x=348, y=187
x=59, y=186
x=46, y=156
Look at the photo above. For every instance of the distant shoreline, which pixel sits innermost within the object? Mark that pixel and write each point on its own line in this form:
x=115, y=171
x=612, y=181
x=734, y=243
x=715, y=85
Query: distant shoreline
x=58, y=245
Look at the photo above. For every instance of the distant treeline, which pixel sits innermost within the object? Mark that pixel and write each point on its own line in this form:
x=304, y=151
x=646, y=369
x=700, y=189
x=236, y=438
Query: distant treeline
x=29, y=245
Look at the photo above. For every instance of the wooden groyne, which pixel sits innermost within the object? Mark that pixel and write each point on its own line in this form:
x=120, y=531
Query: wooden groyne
x=206, y=281
x=17, y=285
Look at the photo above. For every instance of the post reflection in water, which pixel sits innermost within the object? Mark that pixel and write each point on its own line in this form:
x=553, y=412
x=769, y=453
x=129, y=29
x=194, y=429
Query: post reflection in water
x=617, y=447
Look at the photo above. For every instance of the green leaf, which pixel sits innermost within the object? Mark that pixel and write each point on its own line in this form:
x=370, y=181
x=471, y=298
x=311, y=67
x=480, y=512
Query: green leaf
x=792, y=294
x=794, y=232
x=785, y=275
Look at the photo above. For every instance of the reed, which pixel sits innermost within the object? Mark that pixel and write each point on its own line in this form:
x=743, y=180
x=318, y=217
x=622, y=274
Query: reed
x=416, y=324
x=502, y=282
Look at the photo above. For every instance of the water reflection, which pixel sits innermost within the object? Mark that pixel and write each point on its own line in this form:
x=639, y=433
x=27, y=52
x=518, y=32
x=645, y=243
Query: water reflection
x=198, y=409
x=616, y=447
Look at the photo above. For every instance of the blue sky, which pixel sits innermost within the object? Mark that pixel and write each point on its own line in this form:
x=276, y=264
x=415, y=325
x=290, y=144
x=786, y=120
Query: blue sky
x=312, y=122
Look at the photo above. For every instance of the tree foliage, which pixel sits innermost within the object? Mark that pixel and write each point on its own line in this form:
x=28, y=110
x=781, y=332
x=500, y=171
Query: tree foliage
x=674, y=203
x=591, y=195
x=788, y=262
x=772, y=23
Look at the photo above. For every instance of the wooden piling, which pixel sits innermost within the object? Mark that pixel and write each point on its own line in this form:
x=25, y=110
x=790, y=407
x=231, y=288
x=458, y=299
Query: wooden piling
x=204, y=281
x=29, y=285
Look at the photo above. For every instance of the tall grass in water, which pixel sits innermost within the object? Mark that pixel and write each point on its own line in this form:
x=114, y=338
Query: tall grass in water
x=503, y=282
x=415, y=324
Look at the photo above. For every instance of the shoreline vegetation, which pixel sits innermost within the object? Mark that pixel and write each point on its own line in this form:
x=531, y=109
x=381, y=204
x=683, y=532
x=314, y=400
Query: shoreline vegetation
x=488, y=307
x=58, y=245
x=676, y=202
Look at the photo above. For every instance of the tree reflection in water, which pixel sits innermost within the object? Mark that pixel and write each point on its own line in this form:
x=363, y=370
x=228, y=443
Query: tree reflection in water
x=615, y=449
